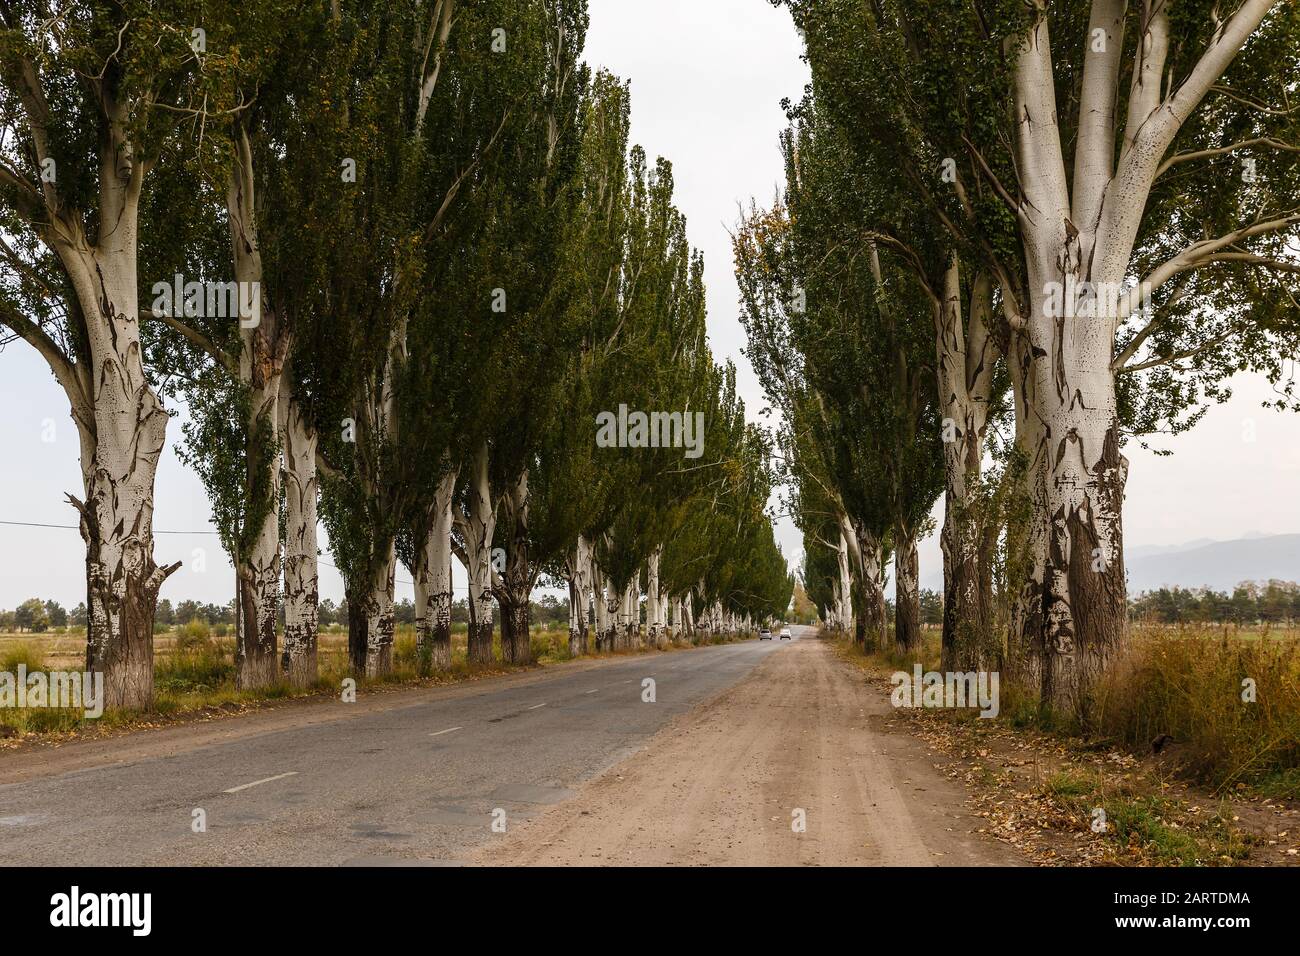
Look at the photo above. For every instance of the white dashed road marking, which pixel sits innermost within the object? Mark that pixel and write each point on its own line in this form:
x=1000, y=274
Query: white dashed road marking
x=245, y=786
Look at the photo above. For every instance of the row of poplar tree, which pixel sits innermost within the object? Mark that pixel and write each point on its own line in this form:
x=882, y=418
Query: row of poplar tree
x=447, y=262
x=1012, y=237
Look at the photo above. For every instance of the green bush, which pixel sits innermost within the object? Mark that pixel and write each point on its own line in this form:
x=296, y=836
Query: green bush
x=202, y=665
x=195, y=635
x=552, y=645
x=23, y=653
x=404, y=652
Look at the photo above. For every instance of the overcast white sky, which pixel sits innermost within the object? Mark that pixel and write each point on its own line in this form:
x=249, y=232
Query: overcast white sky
x=707, y=80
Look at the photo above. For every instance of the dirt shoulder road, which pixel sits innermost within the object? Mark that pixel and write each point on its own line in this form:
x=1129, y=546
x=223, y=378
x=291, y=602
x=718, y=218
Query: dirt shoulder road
x=722, y=784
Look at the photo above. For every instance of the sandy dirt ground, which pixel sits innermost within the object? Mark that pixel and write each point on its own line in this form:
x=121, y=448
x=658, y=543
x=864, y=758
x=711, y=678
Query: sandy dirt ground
x=802, y=737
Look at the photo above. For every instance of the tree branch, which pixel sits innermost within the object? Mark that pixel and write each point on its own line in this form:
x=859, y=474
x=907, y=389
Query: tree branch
x=1156, y=321
x=1179, y=356
x=1160, y=124
x=1221, y=150
x=196, y=338
x=992, y=177
x=1194, y=256
x=64, y=368
x=1094, y=154
x=27, y=200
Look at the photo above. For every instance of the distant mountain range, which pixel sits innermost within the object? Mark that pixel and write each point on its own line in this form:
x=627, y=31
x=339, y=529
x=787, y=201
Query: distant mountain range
x=1220, y=565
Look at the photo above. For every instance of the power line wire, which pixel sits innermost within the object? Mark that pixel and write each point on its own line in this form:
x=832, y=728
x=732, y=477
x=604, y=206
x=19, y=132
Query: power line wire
x=73, y=527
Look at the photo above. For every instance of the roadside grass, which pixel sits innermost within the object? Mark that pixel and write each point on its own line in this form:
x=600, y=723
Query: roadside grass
x=1172, y=709
x=31, y=720
x=21, y=653
x=1230, y=706
x=194, y=672
x=1147, y=826
x=1187, y=687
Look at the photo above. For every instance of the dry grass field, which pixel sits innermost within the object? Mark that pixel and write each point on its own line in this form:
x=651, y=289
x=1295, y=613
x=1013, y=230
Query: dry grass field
x=194, y=667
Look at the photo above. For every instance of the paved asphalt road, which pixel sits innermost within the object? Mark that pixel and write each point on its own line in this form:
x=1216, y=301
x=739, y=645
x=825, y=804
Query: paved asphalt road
x=417, y=782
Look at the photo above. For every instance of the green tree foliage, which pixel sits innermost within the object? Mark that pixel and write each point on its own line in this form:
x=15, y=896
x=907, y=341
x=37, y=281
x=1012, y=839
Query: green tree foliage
x=1272, y=602
x=57, y=614
x=31, y=616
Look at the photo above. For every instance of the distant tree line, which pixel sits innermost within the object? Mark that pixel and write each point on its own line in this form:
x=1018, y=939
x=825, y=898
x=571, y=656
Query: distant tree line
x=1277, y=602
x=37, y=617
x=930, y=603
x=1274, y=602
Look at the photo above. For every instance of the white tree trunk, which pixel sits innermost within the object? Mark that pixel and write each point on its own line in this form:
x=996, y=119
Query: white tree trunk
x=907, y=595
x=654, y=608
x=301, y=550
x=610, y=602
x=1072, y=607
x=629, y=615
x=261, y=362
x=513, y=586
x=476, y=528
x=577, y=617
x=122, y=580
x=966, y=356
x=665, y=635
x=378, y=614
x=579, y=567
x=1078, y=237
x=433, y=594
x=120, y=420
x=257, y=567
x=257, y=575
x=843, y=588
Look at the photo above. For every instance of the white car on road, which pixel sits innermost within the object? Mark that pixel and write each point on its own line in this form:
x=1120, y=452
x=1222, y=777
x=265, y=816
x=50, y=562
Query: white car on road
x=785, y=634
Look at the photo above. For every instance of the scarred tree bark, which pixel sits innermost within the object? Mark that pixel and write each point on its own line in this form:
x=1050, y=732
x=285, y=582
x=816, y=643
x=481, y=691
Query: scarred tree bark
x=577, y=618
x=301, y=550
x=433, y=594
x=122, y=424
x=372, y=646
x=579, y=568
x=872, y=581
x=609, y=627
x=516, y=581
x=907, y=595
x=966, y=355
x=263, y=347
x=844, y=620
x=654, y=598
x=122, y=580
x=476, y=527
x=630, y=614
